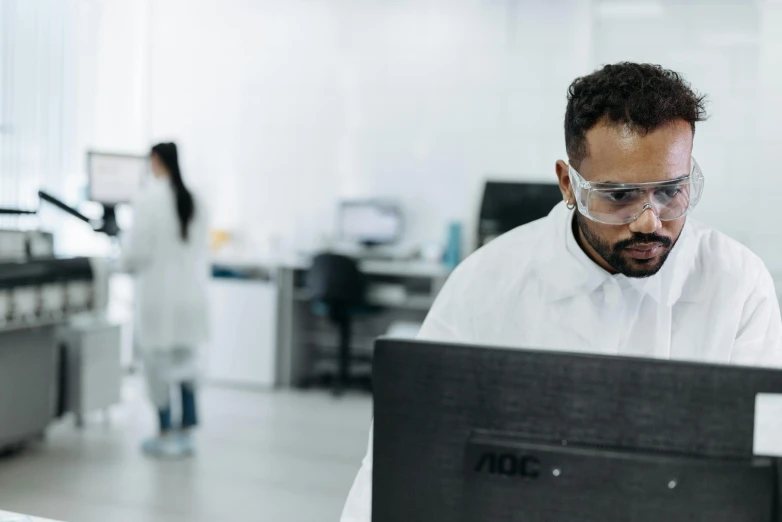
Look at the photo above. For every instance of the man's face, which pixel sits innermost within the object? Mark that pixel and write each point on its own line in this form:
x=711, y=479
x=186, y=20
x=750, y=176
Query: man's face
x=618, y=155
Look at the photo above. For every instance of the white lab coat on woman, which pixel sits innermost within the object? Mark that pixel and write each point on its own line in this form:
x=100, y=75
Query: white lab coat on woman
x=170, y=274
x=713, y=301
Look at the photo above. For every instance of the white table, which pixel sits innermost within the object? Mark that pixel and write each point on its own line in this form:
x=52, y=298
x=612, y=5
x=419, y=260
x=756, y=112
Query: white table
x=5, y=516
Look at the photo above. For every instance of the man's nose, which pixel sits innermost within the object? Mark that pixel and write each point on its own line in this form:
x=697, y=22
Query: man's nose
x=647, y=222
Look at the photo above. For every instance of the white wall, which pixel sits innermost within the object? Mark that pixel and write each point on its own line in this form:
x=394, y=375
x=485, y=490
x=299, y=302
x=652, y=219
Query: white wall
x=32, y=81
x=121, y=119
x=106, y=107
x=283, y=106
x=764, y=184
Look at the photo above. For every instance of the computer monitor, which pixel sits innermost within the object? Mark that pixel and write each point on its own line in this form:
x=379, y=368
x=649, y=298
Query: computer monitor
x=467, y=433
x=115, y=178
x=370, y=222
x=507, y=205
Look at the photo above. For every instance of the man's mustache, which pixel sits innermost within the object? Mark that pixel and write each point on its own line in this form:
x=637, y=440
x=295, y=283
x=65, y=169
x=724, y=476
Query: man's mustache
x=642, y=239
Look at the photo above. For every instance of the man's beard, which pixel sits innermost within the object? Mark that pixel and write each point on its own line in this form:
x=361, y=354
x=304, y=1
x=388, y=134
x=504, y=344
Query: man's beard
x=613, y=254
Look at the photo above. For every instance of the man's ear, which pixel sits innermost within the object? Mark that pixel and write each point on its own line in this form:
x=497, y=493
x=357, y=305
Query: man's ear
x=565, y=187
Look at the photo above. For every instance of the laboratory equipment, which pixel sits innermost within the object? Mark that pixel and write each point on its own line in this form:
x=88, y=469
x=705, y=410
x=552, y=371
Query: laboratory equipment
x=38, y=298
x=114, y=179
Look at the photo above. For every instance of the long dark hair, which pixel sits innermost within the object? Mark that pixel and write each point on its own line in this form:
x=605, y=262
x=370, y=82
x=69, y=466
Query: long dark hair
x=185, y=206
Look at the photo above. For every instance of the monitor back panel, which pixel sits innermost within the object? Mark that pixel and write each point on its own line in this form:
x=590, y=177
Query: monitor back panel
x=605, y=438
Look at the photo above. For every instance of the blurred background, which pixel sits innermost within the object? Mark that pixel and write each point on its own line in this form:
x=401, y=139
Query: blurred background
x=369, y=127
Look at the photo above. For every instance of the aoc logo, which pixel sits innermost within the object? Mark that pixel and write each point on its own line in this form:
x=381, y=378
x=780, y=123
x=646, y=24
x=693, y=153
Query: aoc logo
x=508, y=465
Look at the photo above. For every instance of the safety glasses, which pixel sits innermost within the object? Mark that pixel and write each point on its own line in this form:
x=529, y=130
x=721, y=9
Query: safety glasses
x=623, y=203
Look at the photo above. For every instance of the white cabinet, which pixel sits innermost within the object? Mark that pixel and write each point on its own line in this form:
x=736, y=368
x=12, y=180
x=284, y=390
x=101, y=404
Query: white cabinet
x=94, y=373
x=243, y=345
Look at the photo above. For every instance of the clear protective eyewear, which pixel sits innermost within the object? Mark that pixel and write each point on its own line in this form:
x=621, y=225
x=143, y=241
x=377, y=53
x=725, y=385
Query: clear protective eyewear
x=623, y=203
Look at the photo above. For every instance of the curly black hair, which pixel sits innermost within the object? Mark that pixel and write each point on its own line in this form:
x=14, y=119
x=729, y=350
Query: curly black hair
x=641, y=96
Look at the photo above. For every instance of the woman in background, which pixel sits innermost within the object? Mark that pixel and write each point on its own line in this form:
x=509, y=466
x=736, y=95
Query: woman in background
x=166, y=251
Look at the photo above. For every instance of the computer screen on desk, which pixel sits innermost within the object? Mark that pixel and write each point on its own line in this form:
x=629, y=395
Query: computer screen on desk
x=507, y=205
x=370, y=222
x=474, y=434
x=115, y=178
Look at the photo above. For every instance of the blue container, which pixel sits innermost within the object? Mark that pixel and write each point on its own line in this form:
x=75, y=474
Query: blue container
x=453, y=249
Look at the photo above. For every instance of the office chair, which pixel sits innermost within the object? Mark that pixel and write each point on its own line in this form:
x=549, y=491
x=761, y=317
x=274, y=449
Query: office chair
x=338, y=287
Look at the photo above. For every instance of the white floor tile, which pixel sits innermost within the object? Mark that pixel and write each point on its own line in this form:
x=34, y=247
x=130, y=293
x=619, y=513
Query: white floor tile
x=281, y=456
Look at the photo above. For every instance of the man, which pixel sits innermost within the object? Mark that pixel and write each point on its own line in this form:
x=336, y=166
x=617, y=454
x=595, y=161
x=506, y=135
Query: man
x=616, y=268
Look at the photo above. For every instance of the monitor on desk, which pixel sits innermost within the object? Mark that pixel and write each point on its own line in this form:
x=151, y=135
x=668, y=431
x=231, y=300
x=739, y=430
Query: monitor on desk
x=471, y=434
x=370, y=222
x=507, y=205
x=115, y=178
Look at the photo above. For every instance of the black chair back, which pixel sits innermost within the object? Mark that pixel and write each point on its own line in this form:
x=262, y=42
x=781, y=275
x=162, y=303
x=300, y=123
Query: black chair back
x=336, y=280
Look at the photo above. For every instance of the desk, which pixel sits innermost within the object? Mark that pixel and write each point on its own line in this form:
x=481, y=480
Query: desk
x=5, y=516
x=286, y=332
x=401, y=290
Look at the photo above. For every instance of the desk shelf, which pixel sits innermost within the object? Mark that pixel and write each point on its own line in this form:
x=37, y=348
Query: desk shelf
x=413, y=302
x=303, y=334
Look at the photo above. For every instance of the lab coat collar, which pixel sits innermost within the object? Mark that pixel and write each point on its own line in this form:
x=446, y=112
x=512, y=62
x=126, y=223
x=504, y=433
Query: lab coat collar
x=568, y=271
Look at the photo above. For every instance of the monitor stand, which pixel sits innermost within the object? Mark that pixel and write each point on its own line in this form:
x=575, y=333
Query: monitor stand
x=110, y=226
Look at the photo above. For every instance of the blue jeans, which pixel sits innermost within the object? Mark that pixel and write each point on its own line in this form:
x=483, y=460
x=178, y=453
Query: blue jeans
x=189, y=411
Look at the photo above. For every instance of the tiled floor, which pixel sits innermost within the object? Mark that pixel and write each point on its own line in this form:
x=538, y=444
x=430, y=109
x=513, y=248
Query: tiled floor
x=279, y=457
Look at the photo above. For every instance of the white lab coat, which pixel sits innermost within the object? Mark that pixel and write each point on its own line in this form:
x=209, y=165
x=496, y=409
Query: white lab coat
x=170, y=274
x=713, y=301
